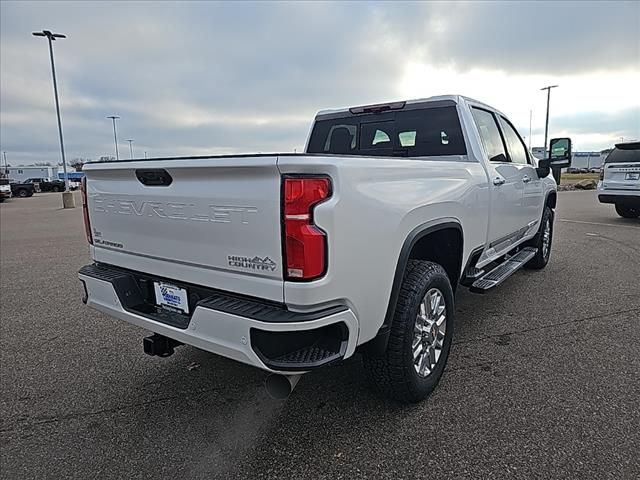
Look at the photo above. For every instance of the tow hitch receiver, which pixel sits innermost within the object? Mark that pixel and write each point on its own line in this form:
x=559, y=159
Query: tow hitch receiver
x=159, y=345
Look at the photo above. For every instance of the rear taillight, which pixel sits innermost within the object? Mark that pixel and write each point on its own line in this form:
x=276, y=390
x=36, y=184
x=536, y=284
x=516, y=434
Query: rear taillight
x=305, y=245
x=85, y=210
x=602, y=172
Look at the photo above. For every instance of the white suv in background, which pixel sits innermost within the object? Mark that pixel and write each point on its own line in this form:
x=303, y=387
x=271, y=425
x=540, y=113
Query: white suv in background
x=620, y=179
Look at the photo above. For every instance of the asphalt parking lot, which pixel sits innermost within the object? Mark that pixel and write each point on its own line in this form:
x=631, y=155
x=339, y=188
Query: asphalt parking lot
x=543, y=379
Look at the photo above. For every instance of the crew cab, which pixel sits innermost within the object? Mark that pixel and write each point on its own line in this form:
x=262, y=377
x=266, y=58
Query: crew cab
x=292, y=262
x=620, y=179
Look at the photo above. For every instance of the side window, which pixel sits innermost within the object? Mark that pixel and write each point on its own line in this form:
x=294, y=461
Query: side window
x=517, y=150
x=380, y=137
x=489, y=134
x=376, y=135
x=341, y=139
x=407, y=139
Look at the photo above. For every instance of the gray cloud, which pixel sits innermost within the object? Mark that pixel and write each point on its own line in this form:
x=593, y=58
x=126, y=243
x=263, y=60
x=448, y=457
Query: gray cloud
x=196, y=77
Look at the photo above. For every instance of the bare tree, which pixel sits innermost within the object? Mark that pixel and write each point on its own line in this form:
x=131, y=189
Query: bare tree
x=77, y=163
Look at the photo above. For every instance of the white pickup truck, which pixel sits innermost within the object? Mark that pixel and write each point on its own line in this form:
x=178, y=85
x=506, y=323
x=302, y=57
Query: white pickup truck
x=292, y=262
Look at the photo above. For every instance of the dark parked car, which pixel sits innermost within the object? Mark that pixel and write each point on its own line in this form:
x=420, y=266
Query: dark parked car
x=47, y=185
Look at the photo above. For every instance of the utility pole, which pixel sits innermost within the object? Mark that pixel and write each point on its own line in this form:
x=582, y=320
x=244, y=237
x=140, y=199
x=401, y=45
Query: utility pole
x=6, y=168
x=115, y=135
x=67, y=198
x=555, y=170
x=130, y=148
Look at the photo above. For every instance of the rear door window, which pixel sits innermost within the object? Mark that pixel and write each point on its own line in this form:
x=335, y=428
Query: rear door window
x=515, y=146
x=434, y=131
x=489, y=134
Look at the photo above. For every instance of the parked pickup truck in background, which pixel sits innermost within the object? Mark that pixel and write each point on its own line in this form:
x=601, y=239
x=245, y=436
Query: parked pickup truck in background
x=48, y=185
x=620, y=179
x=292, y=262
x=22, y=190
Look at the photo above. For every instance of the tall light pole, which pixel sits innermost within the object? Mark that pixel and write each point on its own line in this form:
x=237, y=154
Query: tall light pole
x=6, y=169
x=546, y=124
x=115, y=135
x=554, y=170
x=130, y=147
x=51, y=37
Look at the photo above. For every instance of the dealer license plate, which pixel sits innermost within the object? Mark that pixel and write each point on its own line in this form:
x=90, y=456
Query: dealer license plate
x=171, y=297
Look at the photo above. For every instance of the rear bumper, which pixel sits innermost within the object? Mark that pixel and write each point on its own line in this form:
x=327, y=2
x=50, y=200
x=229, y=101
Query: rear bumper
x=269, y=337
x=625, y=197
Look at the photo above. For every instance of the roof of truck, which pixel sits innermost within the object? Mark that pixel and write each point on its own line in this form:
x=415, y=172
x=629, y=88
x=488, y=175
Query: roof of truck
x=442, y=100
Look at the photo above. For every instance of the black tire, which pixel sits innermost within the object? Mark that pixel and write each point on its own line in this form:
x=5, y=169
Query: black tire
x=22, y=193
x=627, y=212
x=540, y=260
x=393, y=372
x=56, y=188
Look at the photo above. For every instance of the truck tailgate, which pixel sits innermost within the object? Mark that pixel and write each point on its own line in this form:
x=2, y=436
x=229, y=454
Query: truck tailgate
x=213, y=222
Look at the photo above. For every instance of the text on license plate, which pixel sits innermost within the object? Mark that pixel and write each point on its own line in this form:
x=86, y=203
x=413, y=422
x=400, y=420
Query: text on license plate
x=168, y=295
x=632, y=176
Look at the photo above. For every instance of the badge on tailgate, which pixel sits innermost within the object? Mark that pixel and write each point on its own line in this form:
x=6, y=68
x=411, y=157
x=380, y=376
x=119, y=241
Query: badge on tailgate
x=171, y=297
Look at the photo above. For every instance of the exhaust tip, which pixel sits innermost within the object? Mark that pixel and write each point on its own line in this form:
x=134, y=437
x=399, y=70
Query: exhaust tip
x=279, y=387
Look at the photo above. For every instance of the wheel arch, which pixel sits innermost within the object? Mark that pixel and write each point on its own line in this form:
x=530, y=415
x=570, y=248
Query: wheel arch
x=552, y=199
x=418, y=245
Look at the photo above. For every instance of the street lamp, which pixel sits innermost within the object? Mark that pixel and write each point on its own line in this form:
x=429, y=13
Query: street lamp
x=556, y=171
x=51, y=37
x=130, y=148
x=546, y=125
x=115, y=135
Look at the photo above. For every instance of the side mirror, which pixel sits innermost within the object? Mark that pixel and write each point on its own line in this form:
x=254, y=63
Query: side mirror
x=560, y=152
x=544, y=167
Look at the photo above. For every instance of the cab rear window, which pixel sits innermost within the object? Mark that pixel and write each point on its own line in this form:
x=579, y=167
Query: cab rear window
x=432, y=131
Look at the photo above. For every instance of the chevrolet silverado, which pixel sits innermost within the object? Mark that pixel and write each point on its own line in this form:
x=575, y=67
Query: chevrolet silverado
x=292, y=262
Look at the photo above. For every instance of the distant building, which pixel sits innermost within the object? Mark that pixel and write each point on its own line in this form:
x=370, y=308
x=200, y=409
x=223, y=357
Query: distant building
x=21, y=174
x=71, y=175
x=587, y=159
x=578, y=159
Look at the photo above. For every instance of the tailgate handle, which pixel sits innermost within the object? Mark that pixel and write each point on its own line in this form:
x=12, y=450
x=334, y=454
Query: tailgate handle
x=154, y=177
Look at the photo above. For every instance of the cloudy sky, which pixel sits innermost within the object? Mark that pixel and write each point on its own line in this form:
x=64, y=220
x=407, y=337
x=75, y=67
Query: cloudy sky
x=199, y=78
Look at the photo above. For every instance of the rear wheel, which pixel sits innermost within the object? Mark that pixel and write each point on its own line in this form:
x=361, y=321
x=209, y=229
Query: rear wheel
x=420, y=336
x=22, y=193
x=542, y=241
x=627, y=212
x=56, y=188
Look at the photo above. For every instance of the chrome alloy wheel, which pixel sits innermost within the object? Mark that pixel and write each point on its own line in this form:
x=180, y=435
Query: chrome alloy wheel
x=428, y=332
x=546, y=238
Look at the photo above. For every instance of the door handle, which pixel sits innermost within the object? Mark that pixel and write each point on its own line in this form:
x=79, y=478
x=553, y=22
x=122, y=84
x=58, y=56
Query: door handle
x=498, y=181
x=526, y=179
